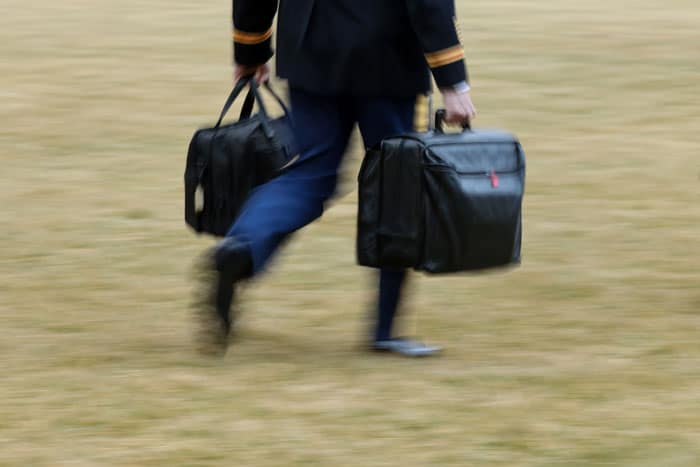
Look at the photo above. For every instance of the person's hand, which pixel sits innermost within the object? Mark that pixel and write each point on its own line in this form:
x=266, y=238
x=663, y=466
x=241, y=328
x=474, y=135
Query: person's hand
x=459, y=109
x=260, y=72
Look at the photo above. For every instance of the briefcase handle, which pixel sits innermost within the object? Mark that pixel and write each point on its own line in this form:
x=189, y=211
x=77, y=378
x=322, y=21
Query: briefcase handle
x=440, y=121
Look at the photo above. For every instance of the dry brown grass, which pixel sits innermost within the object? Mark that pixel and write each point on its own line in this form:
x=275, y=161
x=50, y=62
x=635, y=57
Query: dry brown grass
x=585, y=356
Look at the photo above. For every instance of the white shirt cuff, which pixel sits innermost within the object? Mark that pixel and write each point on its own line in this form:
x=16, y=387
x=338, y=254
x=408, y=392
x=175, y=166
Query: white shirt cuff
x=462, y=87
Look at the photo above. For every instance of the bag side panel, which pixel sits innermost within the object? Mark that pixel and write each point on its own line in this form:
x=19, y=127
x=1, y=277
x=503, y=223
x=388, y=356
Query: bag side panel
x=517, y=249
x=198, y=176
x=472, y=222
x=401, y=215
x=191, y=178
x=369, y=183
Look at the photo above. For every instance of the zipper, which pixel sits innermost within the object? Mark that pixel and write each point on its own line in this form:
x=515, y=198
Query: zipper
x=491, y=174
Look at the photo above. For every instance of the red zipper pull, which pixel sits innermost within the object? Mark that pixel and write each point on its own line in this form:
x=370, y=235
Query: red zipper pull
x=494, y=179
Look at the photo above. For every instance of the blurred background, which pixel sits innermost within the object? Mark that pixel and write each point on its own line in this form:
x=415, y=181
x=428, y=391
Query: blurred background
x=587, y=355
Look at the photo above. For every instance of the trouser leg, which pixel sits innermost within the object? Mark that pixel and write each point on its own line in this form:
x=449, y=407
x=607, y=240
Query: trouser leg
x=296, y=198
x=390, y=286
x=379, y=118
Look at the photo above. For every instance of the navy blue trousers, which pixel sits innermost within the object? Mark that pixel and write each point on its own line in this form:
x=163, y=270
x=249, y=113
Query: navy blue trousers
x=323, y=126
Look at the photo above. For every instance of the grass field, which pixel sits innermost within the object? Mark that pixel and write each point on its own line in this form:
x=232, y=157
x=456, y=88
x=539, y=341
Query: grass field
x=588, y=355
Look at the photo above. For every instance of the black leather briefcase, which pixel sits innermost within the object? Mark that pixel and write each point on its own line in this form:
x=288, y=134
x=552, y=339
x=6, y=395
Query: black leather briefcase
x=225, y=162
x=439, y=202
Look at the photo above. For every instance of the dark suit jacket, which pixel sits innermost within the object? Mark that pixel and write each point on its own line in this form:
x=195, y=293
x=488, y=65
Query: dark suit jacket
x=355, y=47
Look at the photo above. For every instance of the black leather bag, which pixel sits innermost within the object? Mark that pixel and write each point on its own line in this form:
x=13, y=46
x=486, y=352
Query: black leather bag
x=225, y=162
x=440, y=202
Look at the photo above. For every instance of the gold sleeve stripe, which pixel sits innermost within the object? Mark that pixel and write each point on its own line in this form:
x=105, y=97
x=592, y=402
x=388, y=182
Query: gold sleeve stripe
x=445, y=56
x=251, y=38
x=421, y=117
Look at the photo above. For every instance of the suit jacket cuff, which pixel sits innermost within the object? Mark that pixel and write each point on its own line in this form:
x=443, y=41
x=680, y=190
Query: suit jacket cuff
x=252, y=48
x=448, y=75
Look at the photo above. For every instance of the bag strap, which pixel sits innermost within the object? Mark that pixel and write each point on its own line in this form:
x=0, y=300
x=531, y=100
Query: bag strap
x=279, y=100
x=248, y=104
x=242, y=83
x=247, y=109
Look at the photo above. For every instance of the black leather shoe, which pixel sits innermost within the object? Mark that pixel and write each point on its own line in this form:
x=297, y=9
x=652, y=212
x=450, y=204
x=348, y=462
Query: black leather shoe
x=405, y=347
x=219, y=270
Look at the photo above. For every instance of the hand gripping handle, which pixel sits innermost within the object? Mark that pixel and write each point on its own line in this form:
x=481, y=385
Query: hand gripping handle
x=440, y=122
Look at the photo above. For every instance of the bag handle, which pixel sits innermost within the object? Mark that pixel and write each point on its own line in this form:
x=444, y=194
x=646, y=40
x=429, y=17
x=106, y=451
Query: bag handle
x=440, y=120
x=248, y=104
x=279, y=100
x=232, y=97
x=250, y=99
